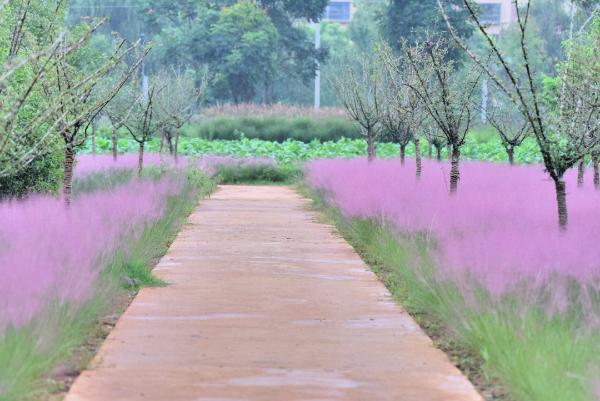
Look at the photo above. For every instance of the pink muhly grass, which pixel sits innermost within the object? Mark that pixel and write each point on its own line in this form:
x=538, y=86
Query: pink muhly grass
x=88, y=164
x=500, y=228
x=273, y=110
x=52, y=253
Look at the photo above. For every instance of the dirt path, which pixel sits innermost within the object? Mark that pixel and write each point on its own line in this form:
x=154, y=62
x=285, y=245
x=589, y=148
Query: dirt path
x=266, y=304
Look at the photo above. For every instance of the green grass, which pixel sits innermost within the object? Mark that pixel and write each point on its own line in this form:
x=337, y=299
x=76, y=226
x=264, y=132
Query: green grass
x=29, y=354
x=101, y=181
x=510, y=340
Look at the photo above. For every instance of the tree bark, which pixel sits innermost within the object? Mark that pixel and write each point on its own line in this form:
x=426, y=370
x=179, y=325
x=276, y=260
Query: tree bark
x=402, y=154
x=68, y=173
x=454, y=170
x=561, y=201
x=580, y=173
x=141, y=159
x=438, y=153
x=418, y=160
x=429, y=150
x=170, y=144
x=94, y=128
x=162, y=143
x=370, y=145
x=510, y=151
x=176, y=150
x=115, y=145
x=596, y=170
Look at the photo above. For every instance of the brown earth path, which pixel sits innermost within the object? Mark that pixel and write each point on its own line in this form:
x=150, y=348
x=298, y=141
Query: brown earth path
x=266, y=304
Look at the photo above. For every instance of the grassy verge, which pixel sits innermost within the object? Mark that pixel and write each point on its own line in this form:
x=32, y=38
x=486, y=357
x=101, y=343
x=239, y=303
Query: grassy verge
x=510, y=348
x=40, y=360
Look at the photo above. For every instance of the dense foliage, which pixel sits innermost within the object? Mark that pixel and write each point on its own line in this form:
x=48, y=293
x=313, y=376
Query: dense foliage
x=414, y=20
x=248, y=46
x=44, y=174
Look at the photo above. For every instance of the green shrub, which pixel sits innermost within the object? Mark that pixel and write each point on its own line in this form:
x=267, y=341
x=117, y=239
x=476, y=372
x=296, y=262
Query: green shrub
x=42, y=175
x=258, y=174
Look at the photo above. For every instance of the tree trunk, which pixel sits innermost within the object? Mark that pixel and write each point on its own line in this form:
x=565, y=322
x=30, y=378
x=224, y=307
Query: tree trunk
x=176, y=150
x=438, y=153
x=68, y=173
x=402, y=154
x=580, y=172
x=429, y=150
x=596, y=170
x=418, y=160
x=170, y=144
x=561, y=201
x=115, y=145
x=510, y=151
x=94, y=128
x=370, y=145
x=162, y=142
x=454, y=170
x=141, y=159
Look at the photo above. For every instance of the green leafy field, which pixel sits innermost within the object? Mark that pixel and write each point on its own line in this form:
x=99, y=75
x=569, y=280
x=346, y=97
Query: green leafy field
x=478, y=147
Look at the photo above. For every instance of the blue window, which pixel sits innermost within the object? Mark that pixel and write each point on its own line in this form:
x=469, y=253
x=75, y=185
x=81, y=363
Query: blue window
x=338, y=11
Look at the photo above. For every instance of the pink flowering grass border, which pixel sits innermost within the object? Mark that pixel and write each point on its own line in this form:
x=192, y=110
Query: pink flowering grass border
x=59, y=304
x=534, y=327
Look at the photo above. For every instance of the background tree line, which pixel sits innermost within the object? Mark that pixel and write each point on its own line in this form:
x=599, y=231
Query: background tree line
x=263, y=51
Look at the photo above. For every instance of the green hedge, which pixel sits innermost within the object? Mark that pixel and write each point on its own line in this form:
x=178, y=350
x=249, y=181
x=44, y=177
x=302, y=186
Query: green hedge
x=277, y=129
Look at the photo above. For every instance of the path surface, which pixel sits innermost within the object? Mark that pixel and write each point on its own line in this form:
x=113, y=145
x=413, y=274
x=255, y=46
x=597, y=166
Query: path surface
x=266, y=304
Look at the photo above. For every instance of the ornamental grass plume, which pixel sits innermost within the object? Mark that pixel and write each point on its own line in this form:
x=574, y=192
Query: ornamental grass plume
x=53, y=254
x=499, y=229
x=88, y=164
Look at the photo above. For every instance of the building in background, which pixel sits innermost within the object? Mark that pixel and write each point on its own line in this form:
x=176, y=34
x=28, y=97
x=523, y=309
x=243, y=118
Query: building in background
x=497, y=14
x=339, y=11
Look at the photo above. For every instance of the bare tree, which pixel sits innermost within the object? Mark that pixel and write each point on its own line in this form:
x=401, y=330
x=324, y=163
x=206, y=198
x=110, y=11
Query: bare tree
x=403, y=110
x=446, y=95
x=565, y=127
x=393, y=127
x=80, y=97
x=117, y=111
x=435, y=140
x=177, y=103
x=362, y=93
x=509, y=123
x=140, y=121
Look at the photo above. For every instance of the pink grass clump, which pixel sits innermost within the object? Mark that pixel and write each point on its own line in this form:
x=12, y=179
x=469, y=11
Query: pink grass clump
x=92, y=164
x=501, y=228
x=51, y=253
x=89, y=164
